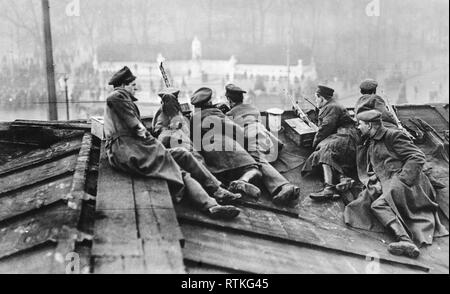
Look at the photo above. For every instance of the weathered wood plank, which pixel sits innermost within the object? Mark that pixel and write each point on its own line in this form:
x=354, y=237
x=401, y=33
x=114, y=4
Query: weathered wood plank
x=250, y=220
x=37, y=174
x=118, y=265
x=158, y=227
x=35, y=261
x=38, y=135
x=17, y=203
x=32, y=231
x=155, y=210
x=256, y=255
x=310, y=230
x=115, y=229
x=41, y=156
x=77, y=125
x=163, y=256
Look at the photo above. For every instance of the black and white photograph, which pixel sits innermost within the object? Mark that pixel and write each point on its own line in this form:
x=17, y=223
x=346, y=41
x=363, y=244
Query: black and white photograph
x=245, y=138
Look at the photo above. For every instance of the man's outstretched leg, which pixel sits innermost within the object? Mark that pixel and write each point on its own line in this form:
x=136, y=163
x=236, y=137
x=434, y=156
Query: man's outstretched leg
x=403, y=245
x=282, y=192
x=200, y=198
x=202, y=175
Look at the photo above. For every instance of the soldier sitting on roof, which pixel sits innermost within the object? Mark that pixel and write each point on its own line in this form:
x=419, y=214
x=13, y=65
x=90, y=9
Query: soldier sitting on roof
x=170, y=126
x=262, y=145
x=397, y=193
x=132, y=149
x=214, y=135
x=335, y=146
x=370, y=100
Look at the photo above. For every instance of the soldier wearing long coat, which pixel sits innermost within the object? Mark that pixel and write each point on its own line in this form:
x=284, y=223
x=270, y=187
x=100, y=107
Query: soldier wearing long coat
x=397, y=193
x=131, y=149
x=370, y=100
x=262, y=145
x=219, y=140
x=335, y=146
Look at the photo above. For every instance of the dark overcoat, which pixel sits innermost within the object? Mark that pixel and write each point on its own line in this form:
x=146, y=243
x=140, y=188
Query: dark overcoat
x=258, y=138
x=130, y=153
x=214, y=135
x=335, y=141
x=397, y=163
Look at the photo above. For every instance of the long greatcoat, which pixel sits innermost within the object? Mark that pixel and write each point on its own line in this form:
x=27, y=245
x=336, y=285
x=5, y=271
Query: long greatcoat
x=335, y=141
x=397, y=163
x=132, y=154
x=258, y=138
x=212, y=134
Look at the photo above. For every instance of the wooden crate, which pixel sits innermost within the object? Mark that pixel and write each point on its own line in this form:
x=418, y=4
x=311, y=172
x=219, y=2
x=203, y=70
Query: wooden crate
x=299, y=132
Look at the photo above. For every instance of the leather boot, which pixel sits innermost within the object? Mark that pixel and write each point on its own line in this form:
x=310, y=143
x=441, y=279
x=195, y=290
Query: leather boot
x=225, y=212
x=404, y=244
x=245, y=188
x=288, y=195
x=225, y=197
x=329, y=192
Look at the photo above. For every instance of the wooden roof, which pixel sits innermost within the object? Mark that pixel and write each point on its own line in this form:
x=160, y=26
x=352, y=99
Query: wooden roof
x=58, y=195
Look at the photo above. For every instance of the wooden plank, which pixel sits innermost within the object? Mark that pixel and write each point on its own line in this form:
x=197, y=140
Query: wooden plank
x=249, y=221
x=69, y=233
x=29, y=262
x=261, y=256
x=309, y=230
x=155, y=211
x=37, y=174
x=17, y=203
x=39, y=135
x=41, y=156
x=158, y=226
x=118, y=265
x=115, y=229
x=163, y=256
x=32, y=231
x=77, y=125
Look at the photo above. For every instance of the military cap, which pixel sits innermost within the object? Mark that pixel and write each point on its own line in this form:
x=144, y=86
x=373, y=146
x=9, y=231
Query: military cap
x=369, y=85
x=234, y=92
x=369, y=116
x=325, y=91
x=174, y=91
x=123, y=76
x=201, y=96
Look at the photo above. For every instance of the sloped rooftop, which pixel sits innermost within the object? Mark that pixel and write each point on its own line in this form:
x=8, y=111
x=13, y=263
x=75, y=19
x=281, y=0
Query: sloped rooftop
x=58, y=195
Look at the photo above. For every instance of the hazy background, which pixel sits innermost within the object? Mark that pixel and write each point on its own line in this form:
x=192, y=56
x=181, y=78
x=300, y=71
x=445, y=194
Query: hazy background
x=405, y=47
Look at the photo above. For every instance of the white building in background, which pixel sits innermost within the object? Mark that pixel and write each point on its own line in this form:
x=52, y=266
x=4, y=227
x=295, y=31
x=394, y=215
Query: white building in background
x=189, y=75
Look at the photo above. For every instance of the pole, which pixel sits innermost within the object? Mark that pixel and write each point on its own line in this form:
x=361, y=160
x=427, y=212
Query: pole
x=67, y=96
x=51, y=87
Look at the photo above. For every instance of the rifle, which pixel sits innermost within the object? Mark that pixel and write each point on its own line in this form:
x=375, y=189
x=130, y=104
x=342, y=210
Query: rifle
x=314, y=105
x=164, y=75
x=301, y=114
x=397, y=121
